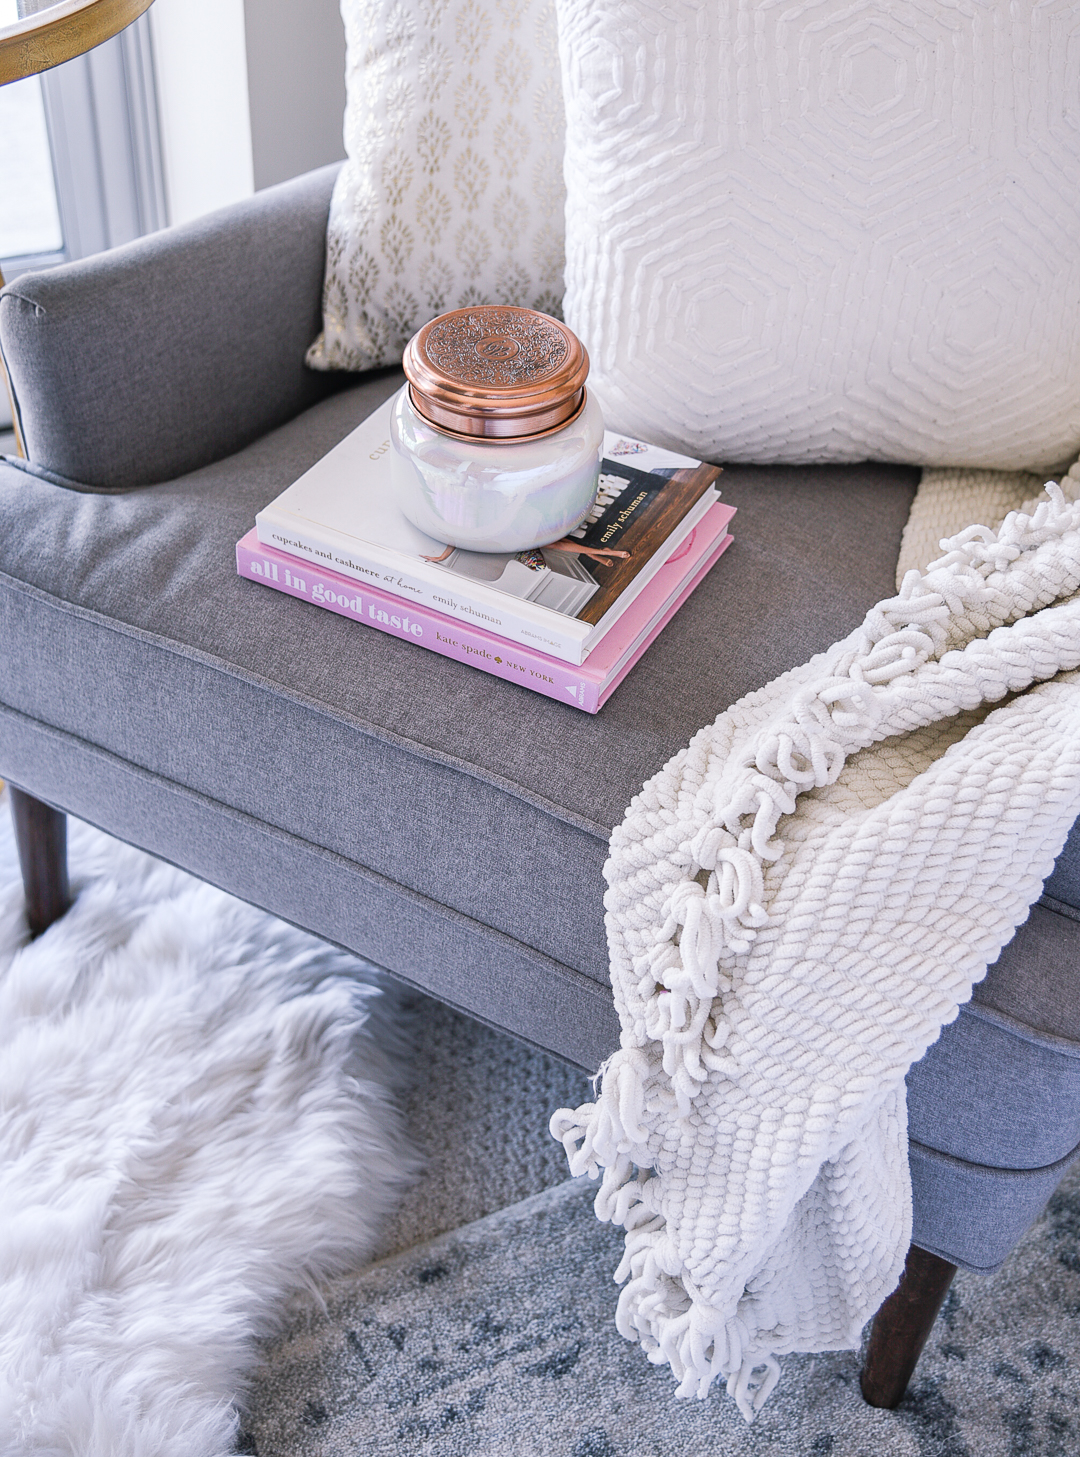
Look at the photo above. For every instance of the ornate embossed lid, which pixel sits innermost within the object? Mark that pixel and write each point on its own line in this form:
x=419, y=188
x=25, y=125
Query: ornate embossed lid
x=496, y=373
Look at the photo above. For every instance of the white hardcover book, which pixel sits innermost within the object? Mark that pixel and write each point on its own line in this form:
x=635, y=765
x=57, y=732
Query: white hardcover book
x=342, y=514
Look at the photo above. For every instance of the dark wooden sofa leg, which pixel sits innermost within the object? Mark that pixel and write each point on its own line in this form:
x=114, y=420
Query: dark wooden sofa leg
x=41, y=835
x=902, y=1326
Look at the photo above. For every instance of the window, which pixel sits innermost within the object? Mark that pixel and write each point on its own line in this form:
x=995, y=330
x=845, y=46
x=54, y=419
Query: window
x=80, y=154
x=80, y=157
x=30, y=219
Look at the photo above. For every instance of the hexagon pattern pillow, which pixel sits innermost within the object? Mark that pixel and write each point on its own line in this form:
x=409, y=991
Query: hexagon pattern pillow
x=808, y=230
x=452, y=193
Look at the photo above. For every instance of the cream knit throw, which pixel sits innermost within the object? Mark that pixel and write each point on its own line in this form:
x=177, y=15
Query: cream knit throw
x=797, y=903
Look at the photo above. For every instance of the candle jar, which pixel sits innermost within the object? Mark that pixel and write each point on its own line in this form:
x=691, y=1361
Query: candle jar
x=496, y=443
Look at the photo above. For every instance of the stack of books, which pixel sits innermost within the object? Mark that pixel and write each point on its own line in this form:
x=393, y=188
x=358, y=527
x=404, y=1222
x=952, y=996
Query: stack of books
x=568, y=620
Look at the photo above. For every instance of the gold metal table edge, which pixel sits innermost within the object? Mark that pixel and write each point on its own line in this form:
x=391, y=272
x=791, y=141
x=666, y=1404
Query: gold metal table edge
x=40, y=42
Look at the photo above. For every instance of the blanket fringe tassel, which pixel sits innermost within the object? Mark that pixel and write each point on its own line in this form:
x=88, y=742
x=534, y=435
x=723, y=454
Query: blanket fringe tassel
x=658, y=1307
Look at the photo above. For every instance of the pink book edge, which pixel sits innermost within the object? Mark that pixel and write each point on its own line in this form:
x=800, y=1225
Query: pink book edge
x=712, y=556
x=586, y=687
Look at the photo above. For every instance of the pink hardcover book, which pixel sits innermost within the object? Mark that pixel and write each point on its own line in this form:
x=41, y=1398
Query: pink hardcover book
x=586, y=687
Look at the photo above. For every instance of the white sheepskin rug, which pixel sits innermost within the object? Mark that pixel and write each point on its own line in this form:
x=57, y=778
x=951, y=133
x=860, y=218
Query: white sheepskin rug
x=196, y=1124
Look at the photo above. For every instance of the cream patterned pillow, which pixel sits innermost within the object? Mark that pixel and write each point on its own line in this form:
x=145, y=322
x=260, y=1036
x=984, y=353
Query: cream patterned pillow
x=453, y=191
x=828, y=229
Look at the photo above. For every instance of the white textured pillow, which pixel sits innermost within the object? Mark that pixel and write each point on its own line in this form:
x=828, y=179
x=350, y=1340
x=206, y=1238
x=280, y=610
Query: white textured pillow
x=453, y=192
x=828, y=231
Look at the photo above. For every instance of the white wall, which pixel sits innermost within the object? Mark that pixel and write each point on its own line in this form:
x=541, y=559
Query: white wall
x=200, y=64
x=250, y=92
x=296, y=85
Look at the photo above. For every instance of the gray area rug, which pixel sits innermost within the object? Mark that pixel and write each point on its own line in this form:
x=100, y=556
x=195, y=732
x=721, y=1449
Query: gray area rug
x=498, y=1339
x=498, y=1336
x=478, y=1112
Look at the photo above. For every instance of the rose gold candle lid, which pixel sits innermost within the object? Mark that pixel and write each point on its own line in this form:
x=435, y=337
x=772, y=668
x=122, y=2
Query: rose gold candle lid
x=496, y=373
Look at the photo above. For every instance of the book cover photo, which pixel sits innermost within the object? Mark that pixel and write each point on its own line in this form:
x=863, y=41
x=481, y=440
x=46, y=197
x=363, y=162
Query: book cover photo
x=342, y=514
x=585, y=574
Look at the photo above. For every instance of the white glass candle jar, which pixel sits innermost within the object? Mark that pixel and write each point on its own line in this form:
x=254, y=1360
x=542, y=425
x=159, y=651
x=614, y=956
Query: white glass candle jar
x=496, y=443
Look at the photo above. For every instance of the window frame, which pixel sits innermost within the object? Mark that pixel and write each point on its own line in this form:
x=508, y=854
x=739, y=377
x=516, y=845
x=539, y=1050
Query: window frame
x=101, y=112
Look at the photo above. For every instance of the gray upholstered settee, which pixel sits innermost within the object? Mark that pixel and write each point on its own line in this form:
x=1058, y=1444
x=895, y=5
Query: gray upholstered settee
x=446, y=825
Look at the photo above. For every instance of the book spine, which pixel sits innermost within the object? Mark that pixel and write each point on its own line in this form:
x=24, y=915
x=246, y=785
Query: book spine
x=417, y=624
x=562, y=637
x=710, y=559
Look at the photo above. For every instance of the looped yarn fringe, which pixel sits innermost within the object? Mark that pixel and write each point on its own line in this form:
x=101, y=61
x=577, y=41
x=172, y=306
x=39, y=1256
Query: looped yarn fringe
x=797, y=903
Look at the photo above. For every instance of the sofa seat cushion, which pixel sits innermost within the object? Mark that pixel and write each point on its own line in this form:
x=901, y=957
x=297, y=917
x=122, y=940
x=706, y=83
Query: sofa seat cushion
x=993, y=1090
x=994, y=1105
x=453, y=827
x=973, y=1214
x=125, y=627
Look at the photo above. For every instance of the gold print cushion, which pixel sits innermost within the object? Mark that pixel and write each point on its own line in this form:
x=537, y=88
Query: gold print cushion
x=396, y=175
x=472, y=102
x=362, y=274
x=510, y=215
x=432, y=214
x=453, y=191
x=471, y=174
x=400, y=33
x=472, y=30
x=548, y=113
x=549, y=195
x=432, y=141
x=396, y=243
x=472, y=248
x=436, y=280
x=512, y=67
x=400, y=101
x=401, y=309
x=434, y=68
x=510, y=280
x=511, y=143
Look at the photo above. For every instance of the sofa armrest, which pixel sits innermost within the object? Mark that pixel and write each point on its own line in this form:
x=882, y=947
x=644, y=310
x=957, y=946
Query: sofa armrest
x=153, y=359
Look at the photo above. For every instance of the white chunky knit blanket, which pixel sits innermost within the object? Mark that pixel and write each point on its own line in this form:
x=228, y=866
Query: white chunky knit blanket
x=797, y=903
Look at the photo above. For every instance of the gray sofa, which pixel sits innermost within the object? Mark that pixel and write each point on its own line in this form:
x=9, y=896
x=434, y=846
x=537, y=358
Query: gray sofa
x=448, y=826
